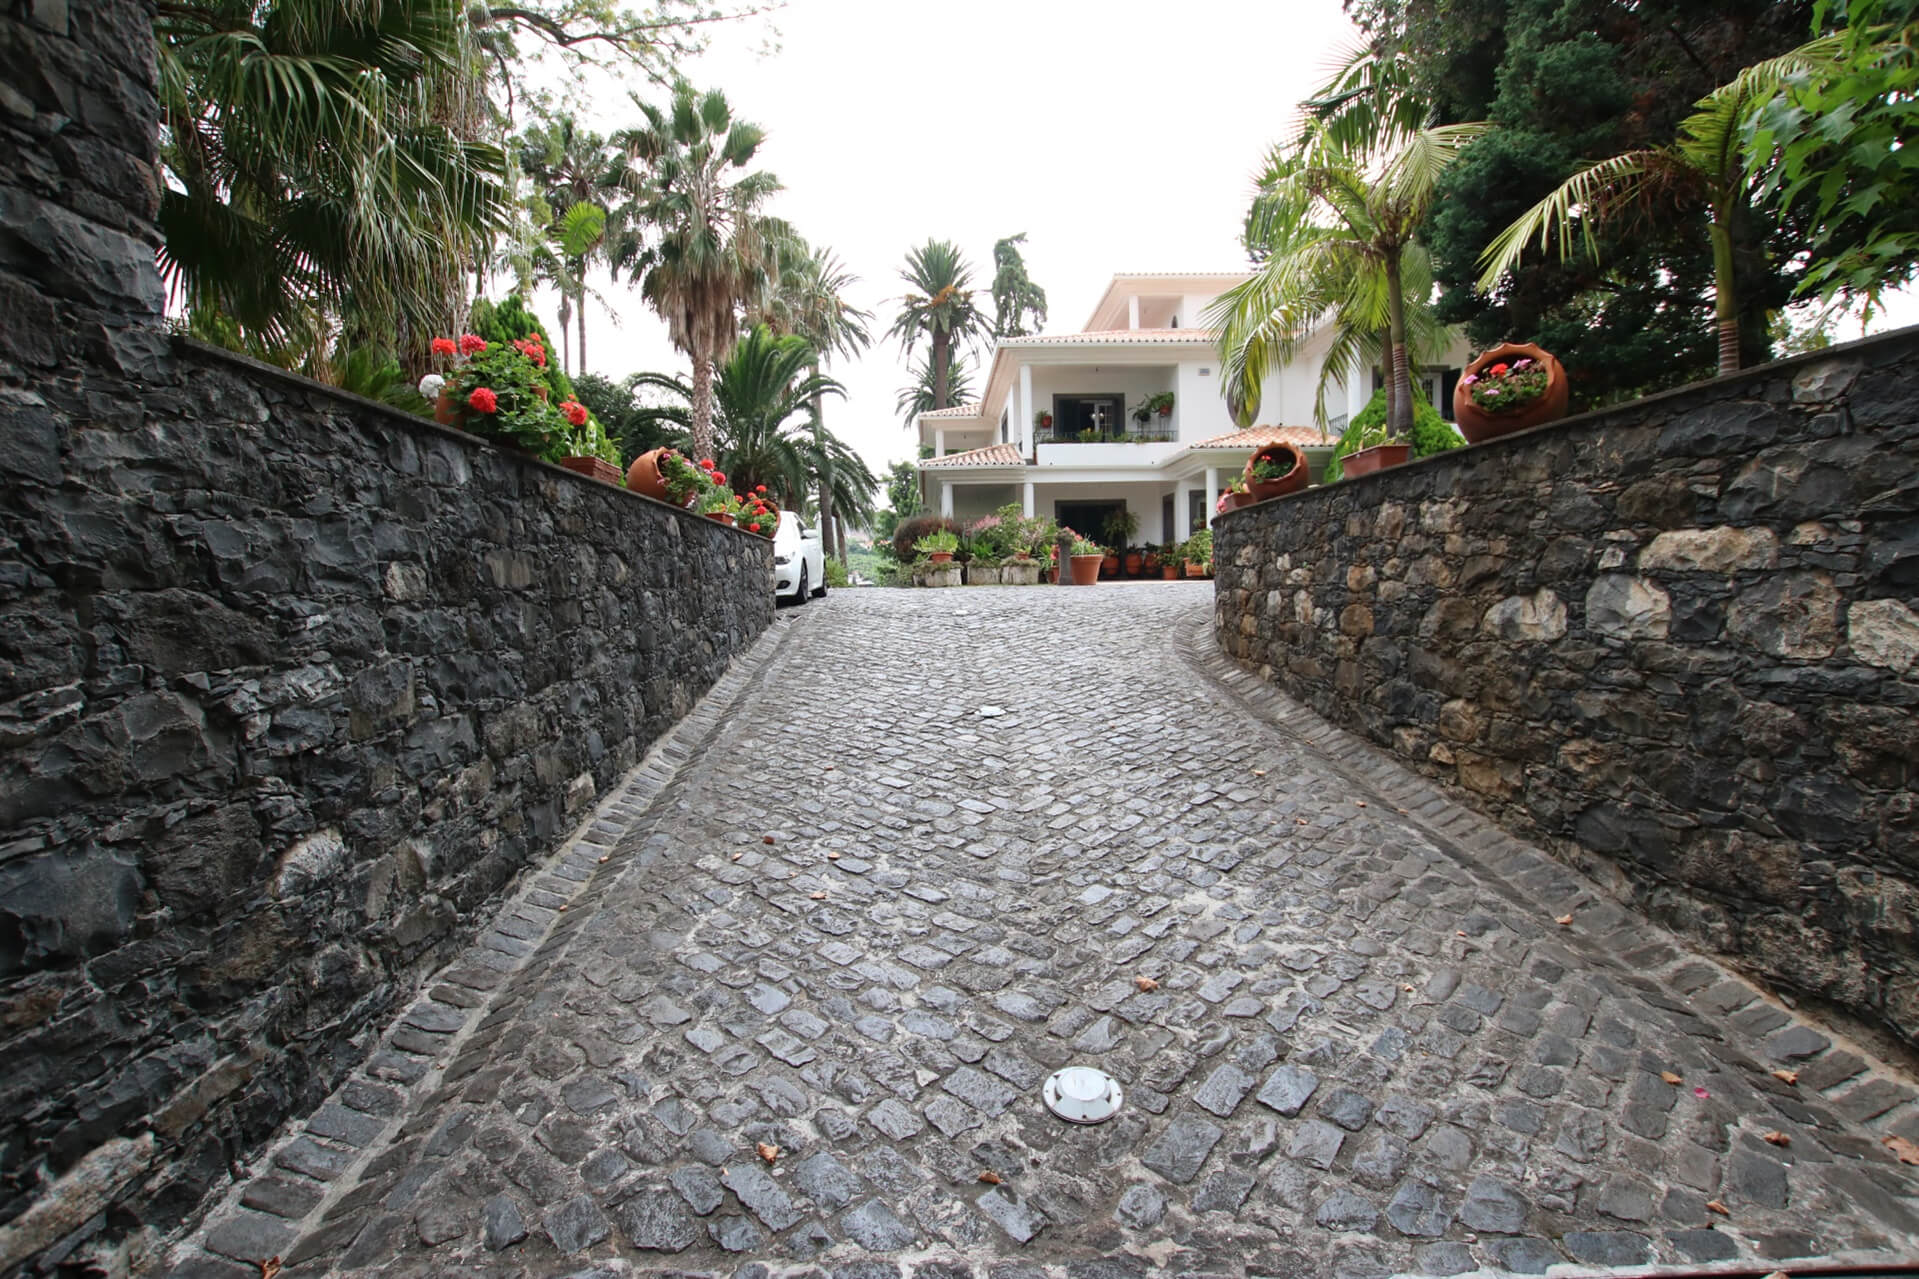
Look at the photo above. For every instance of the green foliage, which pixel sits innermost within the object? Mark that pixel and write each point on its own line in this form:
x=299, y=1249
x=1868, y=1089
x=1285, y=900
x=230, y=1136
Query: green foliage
x=1086, y=546
x=1015, y=296
x=1120, y=528
x=1198, y=549
x=510, y=320
x=636, y=428
x=1431, y=433
x=938, y=306
x=836, y=576
x=938, y=542
x=1840, y=142
x=903, y=489
x=908, y=532
x=522, y=417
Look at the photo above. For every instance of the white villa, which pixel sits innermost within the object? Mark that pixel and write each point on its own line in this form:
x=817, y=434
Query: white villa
x=1144, y=338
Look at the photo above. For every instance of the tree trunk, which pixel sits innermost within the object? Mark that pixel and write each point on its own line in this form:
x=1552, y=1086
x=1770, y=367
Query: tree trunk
x=942, y=357
x=826, y=489
x=702, y=408
x=1725, y=302
x=839, y=537
x=566, y=325
x=1399, y=416
x=580, y=363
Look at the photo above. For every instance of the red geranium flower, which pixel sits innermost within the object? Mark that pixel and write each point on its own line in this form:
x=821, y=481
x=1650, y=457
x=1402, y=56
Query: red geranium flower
x=443, y=346
x=471, y=344
x=760, y=489
x=706, y=464
x=754, y=527
x=483, y=399
x=574, y=411
x=1497, y=370
x=719, y=477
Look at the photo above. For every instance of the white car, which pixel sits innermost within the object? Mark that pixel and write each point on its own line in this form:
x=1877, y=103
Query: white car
x=799, y=564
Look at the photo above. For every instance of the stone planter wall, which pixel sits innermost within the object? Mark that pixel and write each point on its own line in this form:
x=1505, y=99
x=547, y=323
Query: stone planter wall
x=1675, y=641
x=291, y=685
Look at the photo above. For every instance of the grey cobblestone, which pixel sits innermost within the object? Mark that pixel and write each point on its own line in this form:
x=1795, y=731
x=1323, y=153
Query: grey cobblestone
x=1370, y=1050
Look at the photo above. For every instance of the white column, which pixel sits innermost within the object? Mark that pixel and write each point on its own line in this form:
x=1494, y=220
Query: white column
x=1024, y=410
x=1026, y=499
x=1212, y=492
x=1182, y=513
x=939, y=441
x=946, y=500
x=1132, y=312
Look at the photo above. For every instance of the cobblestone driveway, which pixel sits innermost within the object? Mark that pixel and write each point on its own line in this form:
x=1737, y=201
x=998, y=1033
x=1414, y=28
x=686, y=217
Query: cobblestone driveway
x=934, y=843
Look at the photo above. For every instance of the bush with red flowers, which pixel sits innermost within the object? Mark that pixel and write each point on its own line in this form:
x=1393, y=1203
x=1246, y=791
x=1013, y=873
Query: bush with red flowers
x=684, y=481
x=759, y=513
x=502, y=389
x=483, y=400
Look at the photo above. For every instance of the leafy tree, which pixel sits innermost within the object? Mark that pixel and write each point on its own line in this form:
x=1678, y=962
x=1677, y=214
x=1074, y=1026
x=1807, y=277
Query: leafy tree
x=323, y=169
x=1569, y=82
x=714, y=253
x=1839, y=142
x=1015, y=296
x=921, y=397
x=509, y=320
x=939, y=306
x=574, y=204
x=1706, y=167
x=1337, y=218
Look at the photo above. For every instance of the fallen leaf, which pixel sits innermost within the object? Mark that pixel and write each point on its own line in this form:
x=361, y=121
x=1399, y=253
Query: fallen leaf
x=1713, y=1205
x=1908, y=1152
x=1300, y=821
x=562, y=906
x=819, y=897
x=1670, y=1078
x=991, y=1178
x=766, y=839
x=829, y=768
x=832, y=857
x=1259, y=772
x=737, y=856
x=1562, y=919
x=1459, y=932
x=1145, y=983
x=768, y=1153
x=1360, y=802
x=1407, y=989
x=1786, y=1076
x=1778, y=1274
x=1777, y=1138
x=269, y=1268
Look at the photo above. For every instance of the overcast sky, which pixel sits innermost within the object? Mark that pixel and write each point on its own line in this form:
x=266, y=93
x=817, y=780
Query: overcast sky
x=1119, y=136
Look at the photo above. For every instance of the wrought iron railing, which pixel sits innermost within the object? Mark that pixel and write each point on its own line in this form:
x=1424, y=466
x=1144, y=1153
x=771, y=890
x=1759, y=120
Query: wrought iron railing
x=1155, y=430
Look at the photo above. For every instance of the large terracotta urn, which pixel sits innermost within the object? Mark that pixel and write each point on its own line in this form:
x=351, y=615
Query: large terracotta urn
x=1291, y=482
x=644, y=476
x=1478, y=426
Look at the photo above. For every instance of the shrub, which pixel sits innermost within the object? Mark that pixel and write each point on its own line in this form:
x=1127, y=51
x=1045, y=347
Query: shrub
x=1431, y=432
x=1197, y=549
x=507, y=321
x=498, y=390
x=939, y=542
x=910, y=530
x=835, y=573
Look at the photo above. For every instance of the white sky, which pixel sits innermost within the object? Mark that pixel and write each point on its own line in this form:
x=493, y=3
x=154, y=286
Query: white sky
x=1120, y=136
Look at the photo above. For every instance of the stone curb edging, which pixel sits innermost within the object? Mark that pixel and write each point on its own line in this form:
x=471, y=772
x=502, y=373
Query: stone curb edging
x=1852, y=1080
x=303, y=1185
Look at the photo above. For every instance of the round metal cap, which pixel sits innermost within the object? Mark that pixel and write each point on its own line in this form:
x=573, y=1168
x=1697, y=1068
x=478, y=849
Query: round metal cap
x=1083, y=1095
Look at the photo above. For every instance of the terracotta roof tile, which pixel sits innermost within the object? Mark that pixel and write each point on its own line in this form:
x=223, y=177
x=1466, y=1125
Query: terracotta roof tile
x=1120, y=337
x=1304, y=436
x=958, y=410
x=991, y=455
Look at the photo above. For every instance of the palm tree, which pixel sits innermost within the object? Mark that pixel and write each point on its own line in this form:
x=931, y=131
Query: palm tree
x=848, y=484
x=809, y=299
x=321, y=168
x=1706, y=166
x=713, y=254
x=1015, y=296
x=573, y=174
x=921, y=397
x=1338, y=222
x=941, y=307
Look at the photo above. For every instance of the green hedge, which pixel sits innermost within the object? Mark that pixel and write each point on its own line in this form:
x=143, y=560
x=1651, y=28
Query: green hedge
x=1431, y=432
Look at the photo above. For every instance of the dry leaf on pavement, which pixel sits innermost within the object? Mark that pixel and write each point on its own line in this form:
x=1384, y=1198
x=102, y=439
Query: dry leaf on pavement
x=1908, y=1152
x=1714, y=1205
x=1670, y=1078
x=1562, y=919
x=269, y=1268
x=768, y=1153
x=1145, y=983
x=991, y=1178
x=1786, y=1076
x=832, y=857
x=1777, y=1138
x=819, y=897
x=766, y=839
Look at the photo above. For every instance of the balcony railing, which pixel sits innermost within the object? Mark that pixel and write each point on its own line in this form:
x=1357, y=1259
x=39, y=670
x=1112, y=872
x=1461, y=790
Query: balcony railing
x=1156, y=430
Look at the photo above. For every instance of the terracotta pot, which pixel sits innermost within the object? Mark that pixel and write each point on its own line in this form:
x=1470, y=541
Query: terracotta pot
x=1195, y=570
x=1291, y=482
x=940, y=557
x=644, y=476
x=1167, y=411
x=1052, y=576
x=1134, y=560
x=1086, y=568
x=446, y=410
x=1171, y=571
x=597, y=468
x=720, y=516
x=1109, y=563
x=1376, y=458
x=1478, y=426
x=541, y=392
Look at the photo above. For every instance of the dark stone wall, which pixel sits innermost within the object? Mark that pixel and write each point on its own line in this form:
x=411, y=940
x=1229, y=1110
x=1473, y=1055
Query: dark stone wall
x=1674, y=641
x=291, y=685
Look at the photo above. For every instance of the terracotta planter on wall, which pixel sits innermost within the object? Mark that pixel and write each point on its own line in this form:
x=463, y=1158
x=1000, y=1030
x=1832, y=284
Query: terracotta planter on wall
x=939, y=557
x=1291, y=482
x=1478, y=426
x=596, y=468
x=1376, y=458
x=644, y=476
x=1086, y=569
x=446, y=410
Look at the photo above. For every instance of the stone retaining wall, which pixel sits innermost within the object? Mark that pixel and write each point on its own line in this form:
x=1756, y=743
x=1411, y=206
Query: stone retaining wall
x=291, y=684
x=1675, y=641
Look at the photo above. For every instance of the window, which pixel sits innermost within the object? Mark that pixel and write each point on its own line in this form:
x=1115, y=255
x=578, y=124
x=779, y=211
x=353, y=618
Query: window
x=1076, y=415
x=1196, y=511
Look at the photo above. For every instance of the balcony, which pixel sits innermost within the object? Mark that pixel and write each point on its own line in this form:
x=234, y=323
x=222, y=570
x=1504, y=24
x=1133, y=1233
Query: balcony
x=1155, y=430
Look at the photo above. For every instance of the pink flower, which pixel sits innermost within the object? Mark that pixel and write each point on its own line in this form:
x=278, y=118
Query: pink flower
x=1521, y=364
x=483, y=400
x=471, y=344
x=443, y=346
x=1470, y=378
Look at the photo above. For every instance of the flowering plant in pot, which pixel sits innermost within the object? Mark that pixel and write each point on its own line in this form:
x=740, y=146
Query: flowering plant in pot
x=1275, y=470
x=680, y=481
x=1197, y=551
x=591, y=453
x=1043, y=419
x=1088, y=557
x=503, y=392
x=718, y=503
x=1511, y=387
x=449, y=357
x=759, y=513
x=938, y=546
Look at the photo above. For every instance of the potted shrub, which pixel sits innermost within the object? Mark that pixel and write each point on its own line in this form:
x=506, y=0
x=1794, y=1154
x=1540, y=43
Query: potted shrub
x=1088, y=557
x=1120, y=528
x=1043, y=419
x=939, y=546
x=1511, y=387
x=593, y=455
x=718, y=503
x=760, y=514
x=1274, y=470
x=1377, y=451
x=680, y=480
x=1197, y=551
x=498, y=390
x=1161, y=404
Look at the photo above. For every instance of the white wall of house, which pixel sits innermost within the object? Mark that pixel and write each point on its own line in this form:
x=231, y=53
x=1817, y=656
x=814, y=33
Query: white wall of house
x=1199, y=407
x=970, y=501
x=1134, y=381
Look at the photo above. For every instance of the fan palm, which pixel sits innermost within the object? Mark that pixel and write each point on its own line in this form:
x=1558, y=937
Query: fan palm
x=1705, y=166
x=940, y=307
x=809, y=298
x=1336, y=221
x=922, y=397
x=714, y=253
x=574, y=179
x=321, y=168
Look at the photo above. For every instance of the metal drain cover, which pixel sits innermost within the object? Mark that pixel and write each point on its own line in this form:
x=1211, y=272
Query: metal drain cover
x=1083, y=1095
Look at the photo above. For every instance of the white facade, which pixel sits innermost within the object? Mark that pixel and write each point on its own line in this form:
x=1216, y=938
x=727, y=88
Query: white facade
x=1145, y=337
